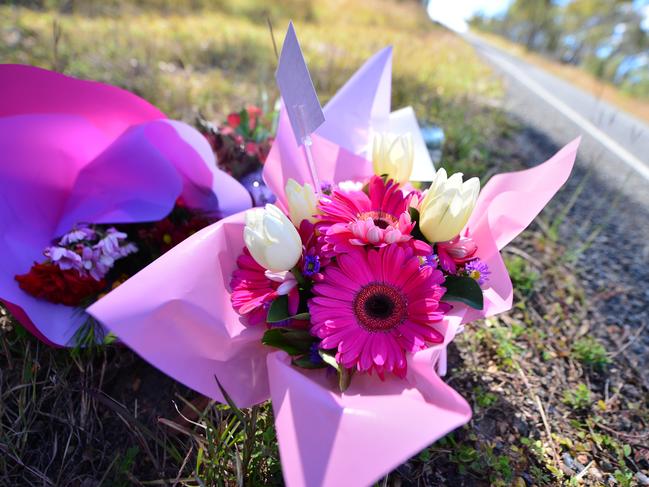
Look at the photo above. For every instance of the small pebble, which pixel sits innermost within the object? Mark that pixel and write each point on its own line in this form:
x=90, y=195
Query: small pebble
x=642, y=478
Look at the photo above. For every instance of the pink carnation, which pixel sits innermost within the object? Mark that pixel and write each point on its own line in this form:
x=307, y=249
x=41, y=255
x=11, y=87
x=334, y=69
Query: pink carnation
x=378, y=217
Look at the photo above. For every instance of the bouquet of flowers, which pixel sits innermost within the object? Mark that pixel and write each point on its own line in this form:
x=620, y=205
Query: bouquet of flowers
x=337, y=303
x=241, y=146
x=85, y=167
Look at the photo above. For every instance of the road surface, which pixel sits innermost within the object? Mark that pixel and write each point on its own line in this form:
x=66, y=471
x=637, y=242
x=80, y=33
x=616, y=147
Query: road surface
x=611, y=213
x=565, y=111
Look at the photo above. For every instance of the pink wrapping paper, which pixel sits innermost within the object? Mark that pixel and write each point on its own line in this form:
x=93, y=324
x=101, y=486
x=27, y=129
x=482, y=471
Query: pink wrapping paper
x=77, y=151
x=326, y=438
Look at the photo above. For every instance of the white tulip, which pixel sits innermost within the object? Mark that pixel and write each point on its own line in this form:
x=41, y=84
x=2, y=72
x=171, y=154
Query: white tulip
x=302, y=202
x=393, y=155
x=447, y=206
x=272, y=239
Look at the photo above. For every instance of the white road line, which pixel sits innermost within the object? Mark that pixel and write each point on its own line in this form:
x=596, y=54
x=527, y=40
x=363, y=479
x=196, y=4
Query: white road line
x=628, y=158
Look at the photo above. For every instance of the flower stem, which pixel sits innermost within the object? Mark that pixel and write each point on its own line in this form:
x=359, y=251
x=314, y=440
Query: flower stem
x=298, y=276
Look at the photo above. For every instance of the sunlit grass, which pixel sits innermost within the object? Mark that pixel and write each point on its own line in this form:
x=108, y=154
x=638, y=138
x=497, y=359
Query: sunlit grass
x=214, y=60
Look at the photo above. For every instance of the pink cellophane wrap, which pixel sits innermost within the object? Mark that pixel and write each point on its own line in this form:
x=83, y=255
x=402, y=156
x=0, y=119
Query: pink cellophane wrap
x=176, y=314
x=77, y=151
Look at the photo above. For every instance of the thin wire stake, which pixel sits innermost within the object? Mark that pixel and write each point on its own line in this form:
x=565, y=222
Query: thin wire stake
x=307, y=143
x=272, y=37
x=309, y=157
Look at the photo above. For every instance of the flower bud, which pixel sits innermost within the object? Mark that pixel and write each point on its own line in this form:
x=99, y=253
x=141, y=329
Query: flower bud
x=393, y=155
x=447, y=206
x=272, y=239
x=302, y=202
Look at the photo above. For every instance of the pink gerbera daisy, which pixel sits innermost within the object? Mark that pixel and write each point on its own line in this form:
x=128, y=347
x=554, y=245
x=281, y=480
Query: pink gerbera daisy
x=254, y=288
x=373, y=306
x=378, y=217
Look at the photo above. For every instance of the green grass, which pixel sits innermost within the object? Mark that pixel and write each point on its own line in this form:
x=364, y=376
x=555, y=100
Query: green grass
x=589, y=351
x=192, y=59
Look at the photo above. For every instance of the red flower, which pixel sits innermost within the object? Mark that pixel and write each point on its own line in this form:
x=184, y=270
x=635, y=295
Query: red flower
x=165, y=234
x=253, y=114
x=251, y=148
x=47, y=281
x=234, y=119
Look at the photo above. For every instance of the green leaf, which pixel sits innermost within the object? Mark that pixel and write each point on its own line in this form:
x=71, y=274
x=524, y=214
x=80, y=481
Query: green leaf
x=416, y=231
x=344, y=378
x=301, y=316
x=110, y=338
x=464, y=290
x=344, y=375
x=235, y=409
x=306, y=363
x=626, y=449
x=292, y=341
x=244, y=124
x=278, y=310
x=329, y=359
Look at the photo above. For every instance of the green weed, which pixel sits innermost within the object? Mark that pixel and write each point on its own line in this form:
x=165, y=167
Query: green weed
x=590, y=352
x=523, y=276
x=578, y=398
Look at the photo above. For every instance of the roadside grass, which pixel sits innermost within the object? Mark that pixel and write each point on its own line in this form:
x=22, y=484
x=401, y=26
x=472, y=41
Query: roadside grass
x=190, y=60
x=576, y=75
x=552, y=404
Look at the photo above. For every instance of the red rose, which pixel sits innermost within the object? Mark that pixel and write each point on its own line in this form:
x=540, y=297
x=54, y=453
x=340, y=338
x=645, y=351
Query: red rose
x=47, y=281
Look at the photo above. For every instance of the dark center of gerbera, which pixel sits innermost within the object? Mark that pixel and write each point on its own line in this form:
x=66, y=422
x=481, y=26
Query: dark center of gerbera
x=380, y=307
x=382, y=224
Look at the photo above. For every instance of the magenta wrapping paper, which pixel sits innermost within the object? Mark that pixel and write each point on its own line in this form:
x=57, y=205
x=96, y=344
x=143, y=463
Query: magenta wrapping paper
x=78, y=151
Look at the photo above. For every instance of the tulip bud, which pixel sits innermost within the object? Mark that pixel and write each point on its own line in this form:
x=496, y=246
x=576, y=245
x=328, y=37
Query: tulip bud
x=447, y=206
x=393, y=155
x=302, y=202
x=272, y=239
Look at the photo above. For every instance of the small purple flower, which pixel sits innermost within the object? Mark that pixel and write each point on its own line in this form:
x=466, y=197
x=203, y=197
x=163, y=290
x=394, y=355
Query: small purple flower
x=93, y=263
x=128, y=249
x=429, y=260
x=78, y=234
x=478, y=270
x=326, y=187
x=76, y=251
x=109, y=245
x=314, y=354
x=64, y=258
x=311, y=265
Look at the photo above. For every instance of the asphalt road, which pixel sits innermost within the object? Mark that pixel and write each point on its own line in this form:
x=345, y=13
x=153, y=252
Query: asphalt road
x=606, y=199
x=564, y=111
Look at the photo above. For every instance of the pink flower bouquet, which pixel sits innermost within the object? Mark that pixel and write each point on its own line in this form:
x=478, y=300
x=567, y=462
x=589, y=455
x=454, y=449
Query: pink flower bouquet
x=76, y=156
x=338, y=303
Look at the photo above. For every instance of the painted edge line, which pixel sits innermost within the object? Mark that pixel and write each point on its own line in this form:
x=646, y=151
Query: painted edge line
x=610, y=144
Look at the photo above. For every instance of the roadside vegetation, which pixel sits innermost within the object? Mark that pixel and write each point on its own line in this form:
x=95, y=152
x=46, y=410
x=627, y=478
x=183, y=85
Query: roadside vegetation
x=599, y=45
x=553, y=402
